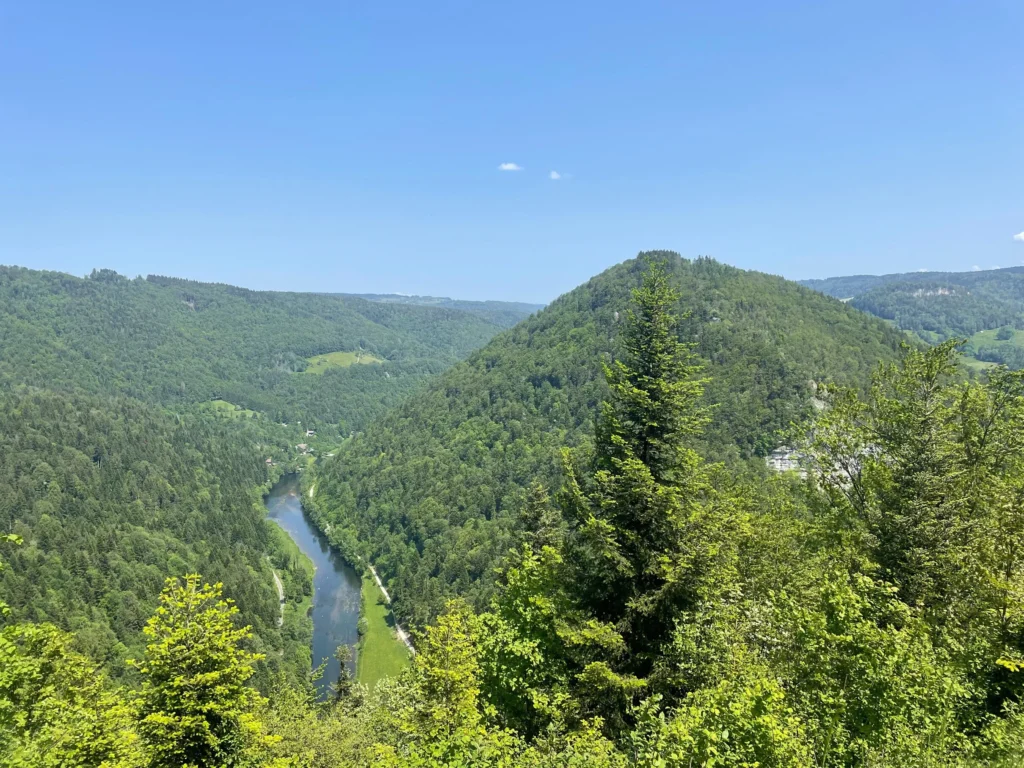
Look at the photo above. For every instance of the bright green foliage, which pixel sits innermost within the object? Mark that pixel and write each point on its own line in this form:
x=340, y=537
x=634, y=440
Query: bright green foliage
x=445, y=725
x=523, y=655
x=537, y=647
x=448, y=673
x=742, y=722
x=447, y=722
x=55, y=705
x=583, y=747
x=930, y=471
x=865, y=677
x=195, y=707
x=922, y=485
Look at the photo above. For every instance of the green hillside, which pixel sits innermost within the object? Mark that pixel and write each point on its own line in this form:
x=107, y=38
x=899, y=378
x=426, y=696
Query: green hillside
x=432, y=492
x=936, y=306
x=112, y=495
x=176, y=341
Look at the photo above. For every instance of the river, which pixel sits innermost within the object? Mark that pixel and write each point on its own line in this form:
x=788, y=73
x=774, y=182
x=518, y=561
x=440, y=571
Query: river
x=335, y=586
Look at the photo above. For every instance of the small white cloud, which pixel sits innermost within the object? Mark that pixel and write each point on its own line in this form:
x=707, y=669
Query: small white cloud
x=976, y=268
x=922, y=270
x=1019, y=236
x=554, y=175
x=509, y=167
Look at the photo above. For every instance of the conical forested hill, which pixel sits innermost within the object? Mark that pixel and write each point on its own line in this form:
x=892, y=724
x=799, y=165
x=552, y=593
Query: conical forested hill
x=432, y=492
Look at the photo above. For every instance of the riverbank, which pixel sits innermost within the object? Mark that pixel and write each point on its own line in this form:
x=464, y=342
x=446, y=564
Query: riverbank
x=380, y=654
x=293, y=579
x=335, y=586
x=384, y=648
x=400, y=633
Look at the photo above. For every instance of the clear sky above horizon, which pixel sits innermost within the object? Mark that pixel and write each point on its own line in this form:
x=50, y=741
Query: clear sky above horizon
x=358, y=147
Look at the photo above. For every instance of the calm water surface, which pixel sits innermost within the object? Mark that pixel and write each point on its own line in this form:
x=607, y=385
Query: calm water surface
x=335, y=586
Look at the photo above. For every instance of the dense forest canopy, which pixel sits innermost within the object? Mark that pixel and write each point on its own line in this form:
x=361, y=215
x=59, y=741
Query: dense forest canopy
x=432, y=492
x=175, y=341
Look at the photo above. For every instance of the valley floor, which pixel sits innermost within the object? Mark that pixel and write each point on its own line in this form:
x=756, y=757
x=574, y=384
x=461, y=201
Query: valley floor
x=384, y=648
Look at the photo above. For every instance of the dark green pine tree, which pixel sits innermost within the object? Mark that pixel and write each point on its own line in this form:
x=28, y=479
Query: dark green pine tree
x=651, y=538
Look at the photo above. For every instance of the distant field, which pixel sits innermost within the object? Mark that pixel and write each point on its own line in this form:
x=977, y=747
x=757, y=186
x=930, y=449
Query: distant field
x=975, y=364
x=224, y=408
x=381, y=653
x=988, y=339
x=320, y=363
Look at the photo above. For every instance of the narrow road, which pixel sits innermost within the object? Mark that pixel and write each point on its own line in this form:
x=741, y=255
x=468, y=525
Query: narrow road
x=387, y=598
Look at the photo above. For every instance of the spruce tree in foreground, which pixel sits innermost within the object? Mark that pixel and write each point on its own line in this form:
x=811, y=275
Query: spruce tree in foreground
x=652, y=538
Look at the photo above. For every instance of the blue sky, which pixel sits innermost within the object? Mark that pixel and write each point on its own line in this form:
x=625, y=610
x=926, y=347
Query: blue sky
x=356, y=146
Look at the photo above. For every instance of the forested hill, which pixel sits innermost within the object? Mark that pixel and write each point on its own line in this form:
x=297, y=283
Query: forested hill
x=855, y=285
x=432, y=492
x=112, y=496
x=176, y=341
x=986, y=307
x=503, y=313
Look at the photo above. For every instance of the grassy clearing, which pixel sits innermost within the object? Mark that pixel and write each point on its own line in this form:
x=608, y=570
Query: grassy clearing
x=381, y=653
x=320, y=363
x=224, y=408
x=988, y=339
x=974, y=364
